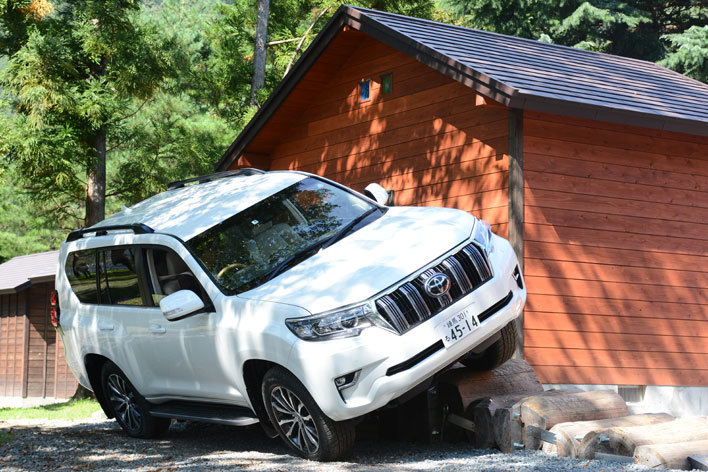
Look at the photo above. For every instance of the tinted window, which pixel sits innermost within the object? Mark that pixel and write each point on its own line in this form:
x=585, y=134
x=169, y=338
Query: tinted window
x=81, y=272
x=119, y=279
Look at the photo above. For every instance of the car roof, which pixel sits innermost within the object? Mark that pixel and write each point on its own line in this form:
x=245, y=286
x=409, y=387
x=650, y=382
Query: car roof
x=190, y=210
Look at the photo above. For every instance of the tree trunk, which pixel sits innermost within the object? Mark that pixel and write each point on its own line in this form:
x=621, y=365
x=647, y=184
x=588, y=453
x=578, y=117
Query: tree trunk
x=96, y=181
x=259, y=50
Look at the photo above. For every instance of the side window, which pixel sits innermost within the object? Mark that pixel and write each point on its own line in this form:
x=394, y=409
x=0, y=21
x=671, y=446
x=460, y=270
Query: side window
x=81, y=272
x=118, y=278
x=170, y=274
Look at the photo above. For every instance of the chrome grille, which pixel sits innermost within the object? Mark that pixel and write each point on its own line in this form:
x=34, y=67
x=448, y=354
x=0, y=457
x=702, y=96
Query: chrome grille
x=409, y=305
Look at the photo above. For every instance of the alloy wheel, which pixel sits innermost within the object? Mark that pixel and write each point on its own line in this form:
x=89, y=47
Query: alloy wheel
x=294, y=420
x=124, y=402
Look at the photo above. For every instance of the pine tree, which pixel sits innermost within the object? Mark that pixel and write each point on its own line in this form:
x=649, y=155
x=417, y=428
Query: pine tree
x=82, y=71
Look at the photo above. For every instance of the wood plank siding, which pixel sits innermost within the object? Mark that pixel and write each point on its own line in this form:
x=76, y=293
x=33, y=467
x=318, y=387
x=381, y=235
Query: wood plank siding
x=31, y=363
x=12, y=344
x=431, y=140
x=616, y=255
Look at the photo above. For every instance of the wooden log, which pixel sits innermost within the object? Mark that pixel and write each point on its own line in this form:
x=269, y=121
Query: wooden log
x=513, y=377
x=624, y=441
x=669, y=456
x=569, y=435
x=505, y=418
x=547, y=411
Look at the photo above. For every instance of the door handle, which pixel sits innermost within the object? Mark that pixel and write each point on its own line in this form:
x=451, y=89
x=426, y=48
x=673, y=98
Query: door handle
x=105, y=327
x=157, y=329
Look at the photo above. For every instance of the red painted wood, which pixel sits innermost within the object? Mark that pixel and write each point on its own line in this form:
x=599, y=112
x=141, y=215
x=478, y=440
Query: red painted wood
x=616, y=253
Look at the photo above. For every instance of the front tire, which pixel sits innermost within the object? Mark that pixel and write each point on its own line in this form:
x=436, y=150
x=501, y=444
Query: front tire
x=299, y=421
x=129, y=408
x=496, y=354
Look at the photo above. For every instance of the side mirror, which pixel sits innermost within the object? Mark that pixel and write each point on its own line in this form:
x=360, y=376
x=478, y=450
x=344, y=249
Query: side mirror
x=377, y=193
x=179, y=304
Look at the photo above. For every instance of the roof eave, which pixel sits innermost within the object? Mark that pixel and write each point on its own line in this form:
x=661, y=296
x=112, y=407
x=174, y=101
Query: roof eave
x=18, y=288
x=611, y=115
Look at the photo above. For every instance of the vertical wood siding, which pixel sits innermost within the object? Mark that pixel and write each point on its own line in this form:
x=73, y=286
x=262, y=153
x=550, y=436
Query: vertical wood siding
x=12, y=356
x=427, y=140
x=31, y=362
x=616, y=245
x=42, y=336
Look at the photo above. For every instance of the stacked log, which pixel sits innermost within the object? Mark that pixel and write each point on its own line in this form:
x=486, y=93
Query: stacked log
x=569, y=435
x=545, y=411
x=514, y=377
x=624, y=441
x=670, y=456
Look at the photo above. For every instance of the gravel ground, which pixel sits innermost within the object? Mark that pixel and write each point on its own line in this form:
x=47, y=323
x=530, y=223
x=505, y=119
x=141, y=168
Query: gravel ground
x=100, y=445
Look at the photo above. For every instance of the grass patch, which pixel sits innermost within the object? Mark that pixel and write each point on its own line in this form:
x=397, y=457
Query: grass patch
x=69, y=410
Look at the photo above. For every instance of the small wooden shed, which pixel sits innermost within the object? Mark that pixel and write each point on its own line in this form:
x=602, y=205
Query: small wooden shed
x=594, y=166
x=31, y=354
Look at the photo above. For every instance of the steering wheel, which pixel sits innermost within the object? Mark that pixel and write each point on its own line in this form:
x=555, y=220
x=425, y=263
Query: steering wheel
x=230, y=267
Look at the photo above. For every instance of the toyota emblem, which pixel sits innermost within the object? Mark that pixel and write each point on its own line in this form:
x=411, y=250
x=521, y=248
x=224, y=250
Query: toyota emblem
x=437, y=285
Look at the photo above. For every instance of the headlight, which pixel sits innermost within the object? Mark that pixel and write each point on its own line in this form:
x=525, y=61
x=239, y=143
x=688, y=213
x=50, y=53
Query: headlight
x=482, y=233
x=336, y=324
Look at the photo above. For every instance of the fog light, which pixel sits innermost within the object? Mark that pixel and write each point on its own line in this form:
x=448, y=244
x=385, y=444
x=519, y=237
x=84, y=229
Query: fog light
x=346, y=381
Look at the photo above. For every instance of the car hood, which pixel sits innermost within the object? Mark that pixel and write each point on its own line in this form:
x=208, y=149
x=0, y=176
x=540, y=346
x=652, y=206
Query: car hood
x=369, y=260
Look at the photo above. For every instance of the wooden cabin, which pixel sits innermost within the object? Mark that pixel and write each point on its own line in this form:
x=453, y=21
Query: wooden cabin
x=594, y=166
x=31, y=354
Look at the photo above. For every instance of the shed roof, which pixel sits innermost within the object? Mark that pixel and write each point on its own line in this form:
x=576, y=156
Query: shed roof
x=16, y=273
x=519, y=73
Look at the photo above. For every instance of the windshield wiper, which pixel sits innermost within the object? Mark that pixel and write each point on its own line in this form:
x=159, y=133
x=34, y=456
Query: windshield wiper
x=348, y=227
x=272, y=273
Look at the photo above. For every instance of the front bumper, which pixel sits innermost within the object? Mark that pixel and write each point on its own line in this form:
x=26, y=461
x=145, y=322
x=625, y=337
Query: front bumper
x=390, y=365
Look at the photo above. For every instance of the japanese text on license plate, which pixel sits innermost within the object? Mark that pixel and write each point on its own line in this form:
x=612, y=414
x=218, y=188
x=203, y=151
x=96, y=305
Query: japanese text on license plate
x=457, y=327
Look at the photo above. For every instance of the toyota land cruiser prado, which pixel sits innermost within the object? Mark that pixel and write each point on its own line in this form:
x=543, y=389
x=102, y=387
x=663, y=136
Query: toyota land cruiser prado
x=281, y=298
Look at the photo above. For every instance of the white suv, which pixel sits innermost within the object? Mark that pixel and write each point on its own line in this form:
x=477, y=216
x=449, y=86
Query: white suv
x=281, y=298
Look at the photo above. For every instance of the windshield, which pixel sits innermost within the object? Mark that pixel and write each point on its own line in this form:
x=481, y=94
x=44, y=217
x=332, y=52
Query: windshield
x=243, y=251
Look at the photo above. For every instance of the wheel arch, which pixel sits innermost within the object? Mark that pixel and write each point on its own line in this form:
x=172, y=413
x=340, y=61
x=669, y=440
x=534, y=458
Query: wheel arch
x=94, y=364
x=253, y=372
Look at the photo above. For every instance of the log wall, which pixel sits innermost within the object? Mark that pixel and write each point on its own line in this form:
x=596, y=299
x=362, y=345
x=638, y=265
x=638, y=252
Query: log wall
x=616, y=254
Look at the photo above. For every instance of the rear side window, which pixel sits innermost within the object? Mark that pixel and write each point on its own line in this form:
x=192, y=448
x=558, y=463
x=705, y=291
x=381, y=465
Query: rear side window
x=81, y=272
x=118, y=277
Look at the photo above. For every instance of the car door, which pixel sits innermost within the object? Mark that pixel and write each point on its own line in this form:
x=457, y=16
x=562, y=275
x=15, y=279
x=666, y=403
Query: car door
x=190, y=357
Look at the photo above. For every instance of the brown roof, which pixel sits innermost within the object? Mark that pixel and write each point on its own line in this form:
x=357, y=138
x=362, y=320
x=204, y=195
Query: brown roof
x=519, y=73
x=16, y=273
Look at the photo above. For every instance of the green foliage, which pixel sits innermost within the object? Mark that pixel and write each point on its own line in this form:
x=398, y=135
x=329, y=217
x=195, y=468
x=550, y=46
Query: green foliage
x=24, y=227
x=689, y=53
x=652, y=30
x=72, y=80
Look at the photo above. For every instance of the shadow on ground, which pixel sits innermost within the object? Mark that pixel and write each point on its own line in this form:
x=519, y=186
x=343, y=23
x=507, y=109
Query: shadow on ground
x=103, y=446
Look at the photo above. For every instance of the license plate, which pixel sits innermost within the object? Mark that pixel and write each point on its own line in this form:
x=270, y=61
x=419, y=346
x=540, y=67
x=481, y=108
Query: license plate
x=457, y=327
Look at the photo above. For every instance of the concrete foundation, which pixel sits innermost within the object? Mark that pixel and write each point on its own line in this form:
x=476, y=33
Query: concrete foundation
x=677, y=401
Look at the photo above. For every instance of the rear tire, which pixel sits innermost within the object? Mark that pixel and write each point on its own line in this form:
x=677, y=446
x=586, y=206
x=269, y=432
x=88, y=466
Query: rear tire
x=300, y=423
x=130, y=409
x=496, y=354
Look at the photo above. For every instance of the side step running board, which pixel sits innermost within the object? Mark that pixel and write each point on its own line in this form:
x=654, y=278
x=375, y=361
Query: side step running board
x=205, y=412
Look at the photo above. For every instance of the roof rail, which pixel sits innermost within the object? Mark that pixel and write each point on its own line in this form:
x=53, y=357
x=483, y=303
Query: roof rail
x=218, y=175
x=137, y=228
